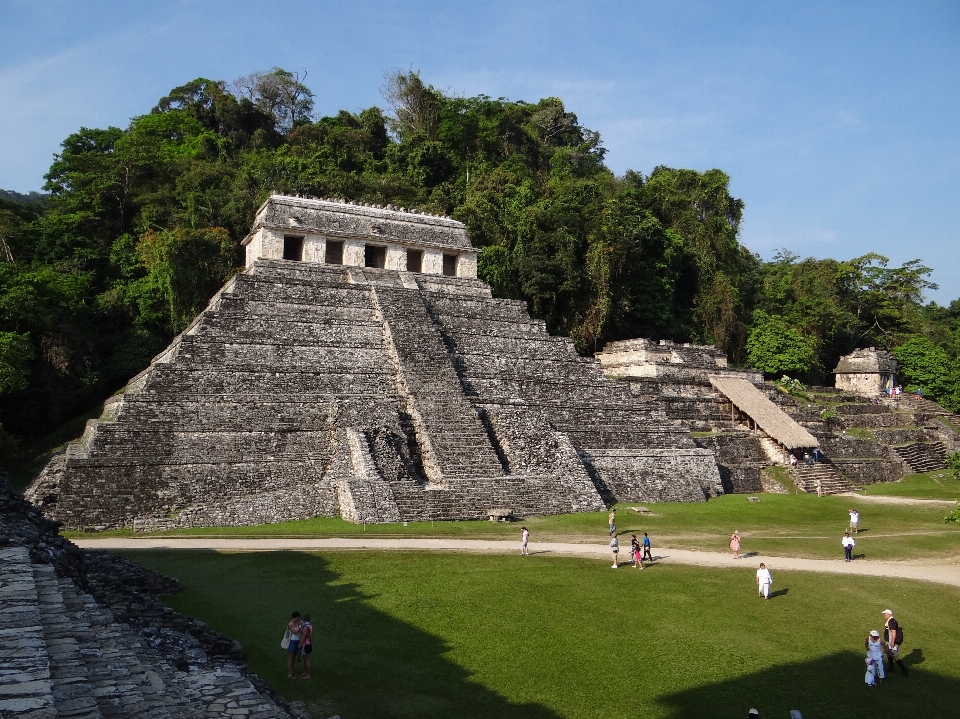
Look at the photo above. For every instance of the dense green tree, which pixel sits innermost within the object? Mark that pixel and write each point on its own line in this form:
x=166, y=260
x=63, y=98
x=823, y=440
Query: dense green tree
x=143, y=224
x=776, y=347
x=923, y=365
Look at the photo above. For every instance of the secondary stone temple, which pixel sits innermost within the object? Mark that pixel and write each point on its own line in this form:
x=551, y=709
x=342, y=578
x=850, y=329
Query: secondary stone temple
x=358, y=368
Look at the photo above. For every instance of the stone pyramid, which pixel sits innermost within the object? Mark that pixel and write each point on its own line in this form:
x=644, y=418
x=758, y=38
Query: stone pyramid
x=358, y=368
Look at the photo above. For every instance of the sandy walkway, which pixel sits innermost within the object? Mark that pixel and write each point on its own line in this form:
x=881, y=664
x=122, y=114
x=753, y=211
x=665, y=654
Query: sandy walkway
x=940, y=573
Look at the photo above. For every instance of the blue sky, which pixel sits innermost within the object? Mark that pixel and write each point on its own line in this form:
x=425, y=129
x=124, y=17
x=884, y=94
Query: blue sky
x=838, y=122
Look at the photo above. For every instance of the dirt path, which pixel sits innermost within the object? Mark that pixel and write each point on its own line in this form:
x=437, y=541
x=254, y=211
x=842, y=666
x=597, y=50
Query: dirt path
x=946, y=573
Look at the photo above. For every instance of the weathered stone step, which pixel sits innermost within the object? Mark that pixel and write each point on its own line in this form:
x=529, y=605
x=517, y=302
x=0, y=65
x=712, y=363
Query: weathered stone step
x=71, y=690
x=25, y=684
x=923, y=457
x=830, y=481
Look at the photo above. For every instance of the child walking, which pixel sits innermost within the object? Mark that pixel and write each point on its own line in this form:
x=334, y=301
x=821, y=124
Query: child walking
x=637, y=552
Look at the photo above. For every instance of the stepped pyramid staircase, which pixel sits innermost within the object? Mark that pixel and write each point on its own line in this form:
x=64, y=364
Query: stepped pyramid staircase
x=922, y=457
x=64, y=656
x=829, y=479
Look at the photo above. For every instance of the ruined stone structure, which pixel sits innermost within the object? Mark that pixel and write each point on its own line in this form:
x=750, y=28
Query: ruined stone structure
x=748, y=424
x=866, y=372
x=679, y=363
x=82, y=635
x=342, y=382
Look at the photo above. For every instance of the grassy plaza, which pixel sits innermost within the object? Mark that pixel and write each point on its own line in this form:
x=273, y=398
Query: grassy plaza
x=426, y=634
x=402, y=634
x=800, y=525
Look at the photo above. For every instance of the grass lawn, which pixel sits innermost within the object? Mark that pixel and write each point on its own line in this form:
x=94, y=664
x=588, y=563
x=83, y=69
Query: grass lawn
x=940, y=484
x=462, y=635
x=800, y=525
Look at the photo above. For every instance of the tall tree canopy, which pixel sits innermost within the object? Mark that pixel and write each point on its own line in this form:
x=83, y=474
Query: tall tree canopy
x=143, y=223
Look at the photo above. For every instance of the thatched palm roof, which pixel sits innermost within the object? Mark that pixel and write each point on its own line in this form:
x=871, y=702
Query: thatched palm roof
x=770, y=418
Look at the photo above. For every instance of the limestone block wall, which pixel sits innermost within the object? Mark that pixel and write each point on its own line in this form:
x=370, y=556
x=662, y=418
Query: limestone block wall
x=656, y=475
x=866, y=384
x=505, y=359
x=740, y=457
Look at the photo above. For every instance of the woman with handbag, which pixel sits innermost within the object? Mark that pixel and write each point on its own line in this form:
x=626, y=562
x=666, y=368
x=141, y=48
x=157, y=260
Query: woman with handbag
x=291, y=638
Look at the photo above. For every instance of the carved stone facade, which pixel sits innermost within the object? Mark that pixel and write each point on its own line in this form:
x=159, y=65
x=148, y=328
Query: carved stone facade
x=314, y=389
x=309, y=229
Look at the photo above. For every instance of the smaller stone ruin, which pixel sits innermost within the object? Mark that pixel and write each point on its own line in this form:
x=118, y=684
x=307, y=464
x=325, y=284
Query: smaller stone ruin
x=670, y=361
x=866, y=372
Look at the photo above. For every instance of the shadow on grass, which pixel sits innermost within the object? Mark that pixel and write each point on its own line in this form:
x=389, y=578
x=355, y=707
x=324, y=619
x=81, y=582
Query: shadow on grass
x=831, y=686
x=779, y=593
x=365, y=662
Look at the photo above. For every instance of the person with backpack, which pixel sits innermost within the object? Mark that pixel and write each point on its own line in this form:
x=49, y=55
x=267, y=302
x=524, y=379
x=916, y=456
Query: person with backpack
x=893, y=638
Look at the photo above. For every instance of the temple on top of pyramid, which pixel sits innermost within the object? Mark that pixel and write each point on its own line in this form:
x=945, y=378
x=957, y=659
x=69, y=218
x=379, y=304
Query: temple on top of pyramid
x=309, y=229
x=357, y=368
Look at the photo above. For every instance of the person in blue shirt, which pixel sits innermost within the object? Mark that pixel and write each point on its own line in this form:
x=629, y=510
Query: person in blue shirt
x=646, y=547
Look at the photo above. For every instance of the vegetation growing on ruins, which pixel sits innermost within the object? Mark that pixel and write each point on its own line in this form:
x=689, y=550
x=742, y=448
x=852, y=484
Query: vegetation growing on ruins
x=140, y=225
x=469, y=635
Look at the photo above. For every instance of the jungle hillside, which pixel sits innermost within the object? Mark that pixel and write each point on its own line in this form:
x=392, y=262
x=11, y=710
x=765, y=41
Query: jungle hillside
x=137, y=227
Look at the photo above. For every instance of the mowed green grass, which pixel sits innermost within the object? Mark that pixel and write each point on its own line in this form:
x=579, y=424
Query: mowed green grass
x=449, y=635
x=940, y=484
x=800, y=525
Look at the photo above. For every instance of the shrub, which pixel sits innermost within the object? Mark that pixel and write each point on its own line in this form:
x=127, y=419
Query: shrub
x=789, y=384
x=954, y=516
x=953, y=461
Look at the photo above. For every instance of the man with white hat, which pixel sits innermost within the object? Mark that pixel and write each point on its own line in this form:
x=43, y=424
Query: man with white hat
x=893, y=636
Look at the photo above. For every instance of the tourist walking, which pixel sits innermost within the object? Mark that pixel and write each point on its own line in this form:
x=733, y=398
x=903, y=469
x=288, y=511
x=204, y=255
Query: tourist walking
x=848, y=545
x=306, y=644
x=893, y=636
x=524, y=540
x=614, y=549
x=764, y=580
x=817, y=454
x=646, y=547
x=807, y=459
x=612, y=521
x=292, y=639
x=874, y=647
x=735, y=544
x=635, y=551
x=793, y=461
x=854, y=520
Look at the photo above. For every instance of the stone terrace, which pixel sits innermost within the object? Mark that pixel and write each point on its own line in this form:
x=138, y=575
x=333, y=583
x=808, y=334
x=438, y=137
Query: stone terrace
x=308, y=389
